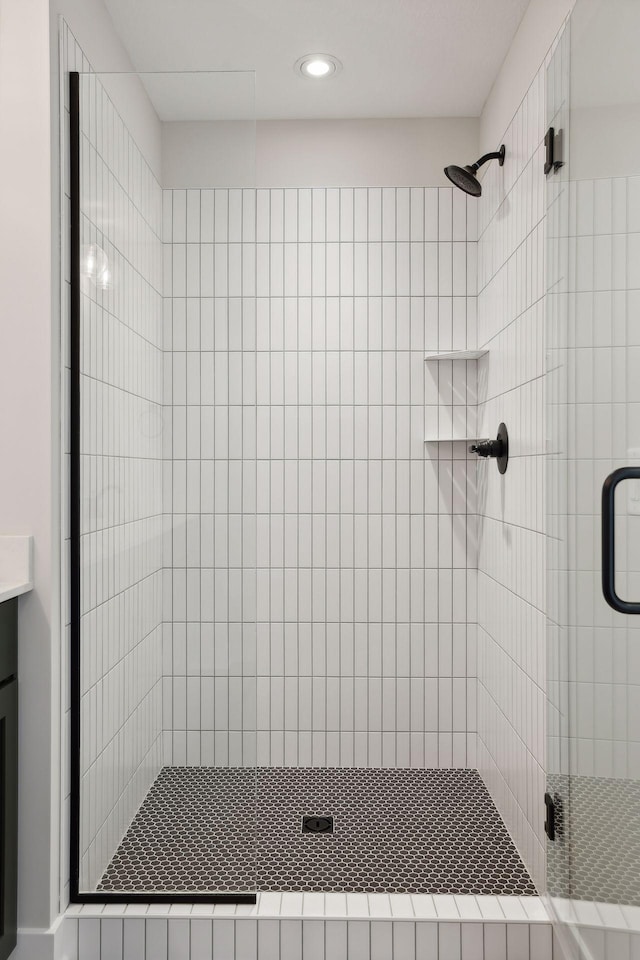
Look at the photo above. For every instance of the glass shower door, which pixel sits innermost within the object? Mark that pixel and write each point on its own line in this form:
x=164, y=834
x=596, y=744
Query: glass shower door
x=593, y=494
x=162, y=469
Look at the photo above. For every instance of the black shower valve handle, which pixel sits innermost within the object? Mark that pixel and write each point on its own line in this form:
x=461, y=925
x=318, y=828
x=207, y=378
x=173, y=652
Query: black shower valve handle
x=487, y=448
x=498, y=448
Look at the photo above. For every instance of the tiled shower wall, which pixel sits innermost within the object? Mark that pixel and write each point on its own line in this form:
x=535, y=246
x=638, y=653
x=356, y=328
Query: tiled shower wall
x=121, y=451
x=299, y=494
x=511, y=508
x=297, y=323
x=209, y=697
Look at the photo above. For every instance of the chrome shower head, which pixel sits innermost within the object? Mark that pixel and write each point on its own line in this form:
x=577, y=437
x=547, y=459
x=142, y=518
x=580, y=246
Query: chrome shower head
x=465, y=177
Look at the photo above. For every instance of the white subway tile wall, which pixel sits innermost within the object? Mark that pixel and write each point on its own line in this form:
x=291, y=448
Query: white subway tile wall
x=511, y=508
x=295, y=939
x=209, y=489
x=296, y=324
x=121, y=470
x=318, y=927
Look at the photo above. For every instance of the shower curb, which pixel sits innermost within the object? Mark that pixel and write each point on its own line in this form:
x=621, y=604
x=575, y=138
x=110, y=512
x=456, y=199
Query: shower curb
x=306, y=927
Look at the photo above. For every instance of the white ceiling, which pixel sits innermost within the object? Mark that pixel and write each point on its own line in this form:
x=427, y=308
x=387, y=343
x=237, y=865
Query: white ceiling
x=201, y=96
x=401, y=58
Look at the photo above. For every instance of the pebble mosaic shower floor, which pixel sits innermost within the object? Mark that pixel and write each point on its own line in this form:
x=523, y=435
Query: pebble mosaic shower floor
x=209, y=829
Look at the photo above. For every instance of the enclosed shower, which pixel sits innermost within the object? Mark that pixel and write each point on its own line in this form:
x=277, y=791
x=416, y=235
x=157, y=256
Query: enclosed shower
x=271, y=648
x=322, y=639
x=272, y=550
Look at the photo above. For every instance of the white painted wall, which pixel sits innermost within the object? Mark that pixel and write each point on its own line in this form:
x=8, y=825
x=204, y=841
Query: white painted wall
x=205, y=155
x=604, y=90
x=536, y=33
x=594, y=131
x=27, y=418
x=316, y=153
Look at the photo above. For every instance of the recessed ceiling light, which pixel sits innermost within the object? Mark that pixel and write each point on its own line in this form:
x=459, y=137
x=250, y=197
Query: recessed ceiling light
x=318, y=66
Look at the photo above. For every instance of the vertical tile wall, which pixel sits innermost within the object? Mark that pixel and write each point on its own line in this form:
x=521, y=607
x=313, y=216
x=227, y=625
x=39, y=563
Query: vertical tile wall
x=209, y=701
x=511, y=508
x=324, y=303
x=335, y=927
x=296, y=324
x=121, y=468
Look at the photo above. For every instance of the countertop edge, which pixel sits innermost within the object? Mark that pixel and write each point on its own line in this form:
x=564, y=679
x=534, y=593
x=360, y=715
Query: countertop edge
x=10, y=590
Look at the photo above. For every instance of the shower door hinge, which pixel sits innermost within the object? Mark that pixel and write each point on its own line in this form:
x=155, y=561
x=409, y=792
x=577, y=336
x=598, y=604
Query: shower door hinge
x=550, y=818
x=553, y=151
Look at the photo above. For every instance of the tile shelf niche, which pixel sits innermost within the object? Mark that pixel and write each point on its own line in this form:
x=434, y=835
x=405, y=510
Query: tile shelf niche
x=470, y=439
x=447, y=434
x=456, y=355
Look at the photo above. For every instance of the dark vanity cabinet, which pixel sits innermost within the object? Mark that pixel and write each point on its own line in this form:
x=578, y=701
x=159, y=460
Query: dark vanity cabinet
x=8, y=775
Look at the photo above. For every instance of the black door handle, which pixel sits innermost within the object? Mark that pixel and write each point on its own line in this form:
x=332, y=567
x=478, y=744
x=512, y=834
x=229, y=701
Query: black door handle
x=608, y=539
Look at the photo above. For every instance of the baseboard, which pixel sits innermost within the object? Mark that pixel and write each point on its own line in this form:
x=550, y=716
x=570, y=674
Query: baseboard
x=40, y=943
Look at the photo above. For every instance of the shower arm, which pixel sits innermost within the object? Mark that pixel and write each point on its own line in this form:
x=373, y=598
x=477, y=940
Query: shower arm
x=496, y=155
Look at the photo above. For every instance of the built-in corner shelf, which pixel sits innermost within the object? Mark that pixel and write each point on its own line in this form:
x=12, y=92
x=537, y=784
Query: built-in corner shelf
x=456, y=417
x=457, y=355
x=451, y=439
